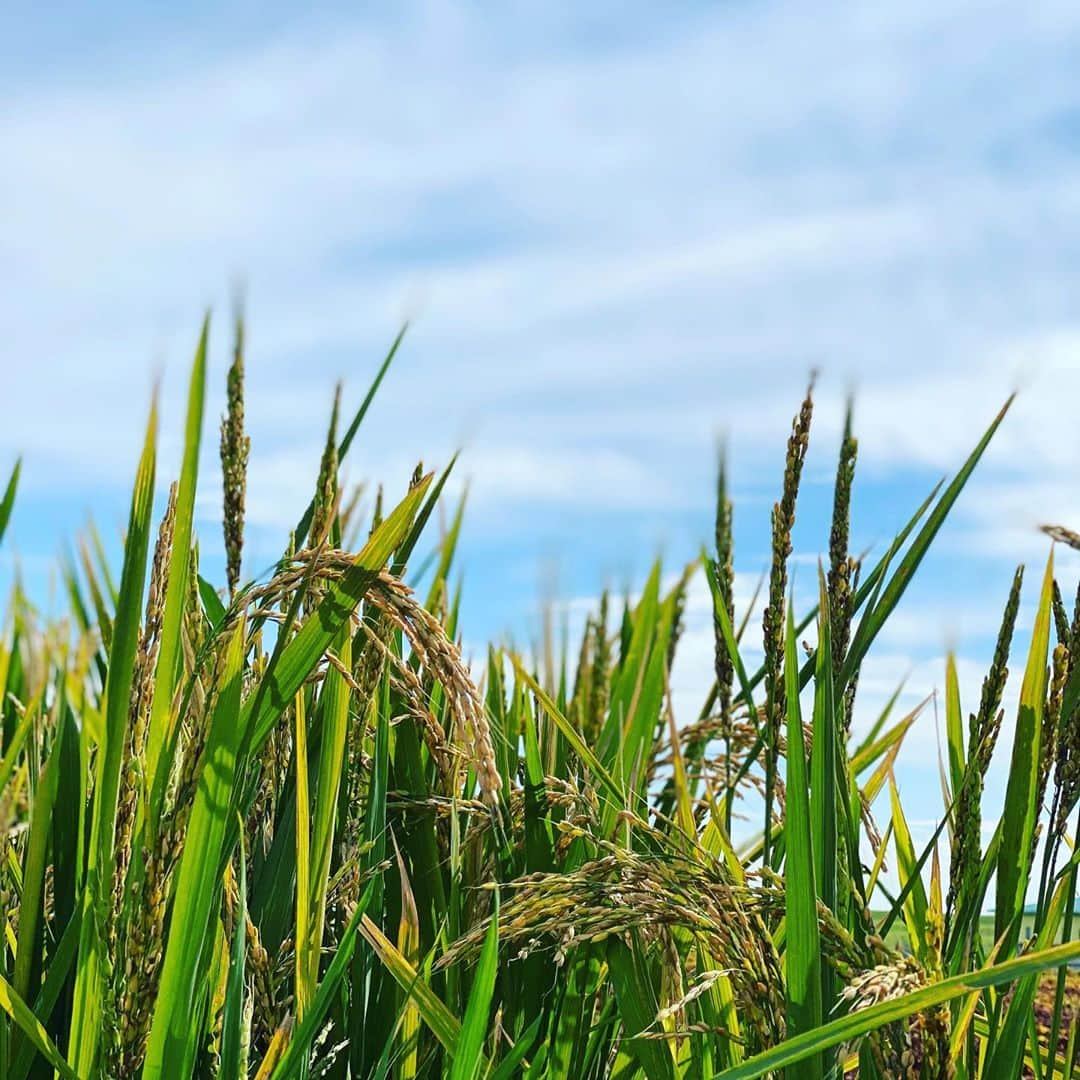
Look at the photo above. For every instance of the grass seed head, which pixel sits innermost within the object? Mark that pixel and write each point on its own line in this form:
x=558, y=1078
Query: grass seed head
x=235, y=448
x=723, y=567
x=783, y=521
x=842, y=568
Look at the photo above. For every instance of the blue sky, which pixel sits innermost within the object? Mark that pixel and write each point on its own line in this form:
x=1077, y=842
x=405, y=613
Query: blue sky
x=619, y=231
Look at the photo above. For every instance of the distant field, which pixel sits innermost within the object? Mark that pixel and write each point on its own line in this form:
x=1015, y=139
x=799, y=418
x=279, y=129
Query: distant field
x=897, y=936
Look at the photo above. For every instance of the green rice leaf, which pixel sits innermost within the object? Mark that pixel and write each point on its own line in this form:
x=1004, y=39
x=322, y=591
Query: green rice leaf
x=162, y=715
x=874, y=618
x=804, y=1005
x=292, y=1061
x=233, y=1065
x=33, y=1029
x=638, y=1006
x=1008, y=1047
x=7, y=502
x=197, y=884
x=86, y=1013
x=954, y=727
x=571, y=734
x=443, y=1024
x=469, y=1058
x=304, y=523
x=303, y=652
x=1021, y=812
x=846, y=1028
x=909, y=870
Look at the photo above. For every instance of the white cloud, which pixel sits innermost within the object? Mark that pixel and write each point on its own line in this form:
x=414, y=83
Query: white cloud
x=621, y=243
x=616, y=245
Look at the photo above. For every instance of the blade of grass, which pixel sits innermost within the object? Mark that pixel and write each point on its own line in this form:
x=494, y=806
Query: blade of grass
x=443, y=1024
x=954, y=727
x=1008, y=1048
x=847, y=1028
x=176, y=591
x=331, y=763
x=638, y=1006
x=874, y=618
x=233, y=1066
x=8, y=500
x=803, y=957
x=1021, y=811
x=824, y=763
x=197, y=886
x=33, y=1029
x=86, y=1013
x=408, y=944
x=28, y=954
x=283, y=679
x=570, y=733
x=304, y=523
x=305, y=977
x=56, y=978
x=296, y=1053
x=915, y=905
x=468, y=1061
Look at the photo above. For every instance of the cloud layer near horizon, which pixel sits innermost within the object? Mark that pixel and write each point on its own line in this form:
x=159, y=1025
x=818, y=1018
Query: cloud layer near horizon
x=613, y=238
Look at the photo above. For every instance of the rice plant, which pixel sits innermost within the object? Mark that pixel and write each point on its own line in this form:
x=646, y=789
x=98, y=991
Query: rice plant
x=277, y=827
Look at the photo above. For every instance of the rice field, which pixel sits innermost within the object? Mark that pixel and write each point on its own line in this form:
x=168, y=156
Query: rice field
x=277, y=827
x=898, y=937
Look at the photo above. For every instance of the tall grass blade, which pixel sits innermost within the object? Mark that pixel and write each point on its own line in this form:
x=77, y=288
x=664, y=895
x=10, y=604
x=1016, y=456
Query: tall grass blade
x=86, y=1016
x=304, y=523
x=233, y=1064
x=850, y=1027
x=873, y=620
x=804, y=1011
x=281, y=682
x=469, y=1059
x=176, y=594
x=33, y=1029
x=7, y=501
x=197, y=885
x=1020, y=813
